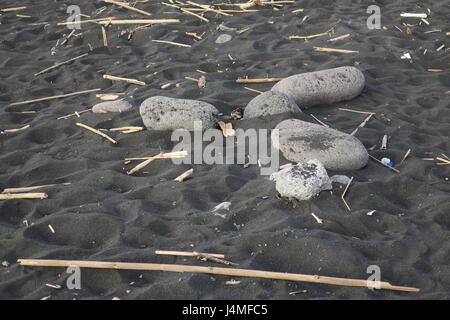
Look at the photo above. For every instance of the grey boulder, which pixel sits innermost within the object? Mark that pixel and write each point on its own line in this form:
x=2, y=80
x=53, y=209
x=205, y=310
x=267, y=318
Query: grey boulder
x=302, y=181
x=164, y=113
x=112, y=106
x=323, y=87
x=301, y=141
x=270, y=103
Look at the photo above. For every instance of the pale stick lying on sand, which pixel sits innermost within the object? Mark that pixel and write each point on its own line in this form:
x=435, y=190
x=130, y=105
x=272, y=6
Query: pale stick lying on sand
x=129, y=80
x=126, y=6
x=208, y=8
x=173, y=43
x=345, y=192
x=54, y=97
x=12, y=9
x=344, y=36
x=362, y=125
x=15, y=130
x=76, y=113
x=320, y=121
x=140, y=21
x=320, y=49
x=413, y=15
x=184, y=175
x=105, y=39
x=60, y=64
x=214, y=270
x=356, y=111
x=127, y=129
x=85, y=21
x=37, y=195
x=96, y=131
x=253, y=90
x=406, y=155
x=177, y=154
x=188, y=254
x=312, y=36
x=262, y=80
x=393, y=169
x=26, y=189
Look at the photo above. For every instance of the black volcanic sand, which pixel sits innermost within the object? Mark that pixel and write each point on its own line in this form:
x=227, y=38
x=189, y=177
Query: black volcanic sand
x=108, y=215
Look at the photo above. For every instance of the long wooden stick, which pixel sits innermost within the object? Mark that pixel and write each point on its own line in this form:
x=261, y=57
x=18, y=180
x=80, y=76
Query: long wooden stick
x=139, y=21
x=36, y=195
x=96, y=131
x=334, y=50
x=263, y=80
x=208, y=8
x=126, y=6
x=211, y=270
x=173, y=43
x=60, y=64
x=85, y=21
x=188, y=254
x=26, y=189
x=134, y=81
x=54, y=97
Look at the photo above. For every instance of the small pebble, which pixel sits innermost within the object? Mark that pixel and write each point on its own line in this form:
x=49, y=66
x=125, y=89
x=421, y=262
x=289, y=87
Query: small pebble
x=223, y=38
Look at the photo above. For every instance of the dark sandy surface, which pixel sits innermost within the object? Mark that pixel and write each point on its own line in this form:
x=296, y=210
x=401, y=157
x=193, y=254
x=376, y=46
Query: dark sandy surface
x=107, y=215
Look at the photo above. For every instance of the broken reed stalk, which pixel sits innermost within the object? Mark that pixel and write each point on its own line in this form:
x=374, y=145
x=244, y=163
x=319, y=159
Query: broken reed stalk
x=208, y=8
x=85, y=21
x=326, y=33
x=345, y=192
x=60, y=64
x=127, y=129
x=320, y=121
x=54, y=97
x=105, y=39
x=213, y=270
x=263, y=80
x=320, y=49
x=177, y=154
x=76, y=113
x=126, y=6
x=356, y=111
x=26, y=189
x=339, y=38
x=12, y=9
x=362, y=125
x=16, y=130
x=393, y=169
x=31, y=195
x=184, y=175
x=173, y=43
x=96, y=132
x=188, y=254
x=139, y=21
x=253, y=90
x=134, y=81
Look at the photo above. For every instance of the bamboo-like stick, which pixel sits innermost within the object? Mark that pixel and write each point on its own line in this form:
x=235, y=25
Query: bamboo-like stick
x=173, y=43
x=139, y=21
x=188, y=254
x=17, y=129
x=345, y=192
x=212, y=270
x=105, y=39
x=126, y=6
x=60, y=64
x=134, y=81
x=36, y=195
x=184, y=175
x=262, y=80
x=12, y=9
x=345, y=36
x=393, y=169
x=334, y=50
x=127, y=129
x=54, y=97
x=96, y=131
x=253, y=90
x=26, y=189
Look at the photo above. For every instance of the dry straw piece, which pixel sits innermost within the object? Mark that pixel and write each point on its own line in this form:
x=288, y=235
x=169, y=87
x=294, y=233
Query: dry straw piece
x=173, y=43
x=26, y=189
x=169, y=155
x=139, y=21
x=184, y=175
x=54, y=97
x=126, y=6
x=320, y=49
x=31, y=195
x=129, y=80
x=212, y=270
x=60, y=64
x=96, y=131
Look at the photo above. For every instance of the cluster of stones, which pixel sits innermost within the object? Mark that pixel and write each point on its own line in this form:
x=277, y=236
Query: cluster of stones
x=313, y=147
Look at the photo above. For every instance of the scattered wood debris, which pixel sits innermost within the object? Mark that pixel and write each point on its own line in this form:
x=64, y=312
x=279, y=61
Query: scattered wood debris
x=184, y=175
x=96, y=132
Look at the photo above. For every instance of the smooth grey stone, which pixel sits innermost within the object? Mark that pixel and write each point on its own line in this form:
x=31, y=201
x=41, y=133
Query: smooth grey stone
x=112, y=106
x=223, y=38
x=323, y=87
x=302, y=181
x=270, y=103
x=164, y=113
x=301, y=141
x=340, y=179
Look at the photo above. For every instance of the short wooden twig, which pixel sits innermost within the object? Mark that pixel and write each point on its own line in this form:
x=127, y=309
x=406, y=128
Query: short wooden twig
x=60, y=64
x=31, y=195
x=96, y=131
x=184, y=175
x=129, y=80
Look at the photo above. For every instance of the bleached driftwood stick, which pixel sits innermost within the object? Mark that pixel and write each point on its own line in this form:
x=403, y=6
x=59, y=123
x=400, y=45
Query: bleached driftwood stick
x=54, y=97
x=26, y=189
x=139, y=21
x=345, y=192
x=262, y=80
x=17, y=129
x=208, y=8
x=60, y=64
x=211, y=270
x=362, y=124
x=184, y=175
x=134, y=81
x=36, y=195
x=173, y=43
x=96, y=131
x=178, y=154
x=85, y=21
x=12, y=9
x=334, y=50
x=188, y=254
